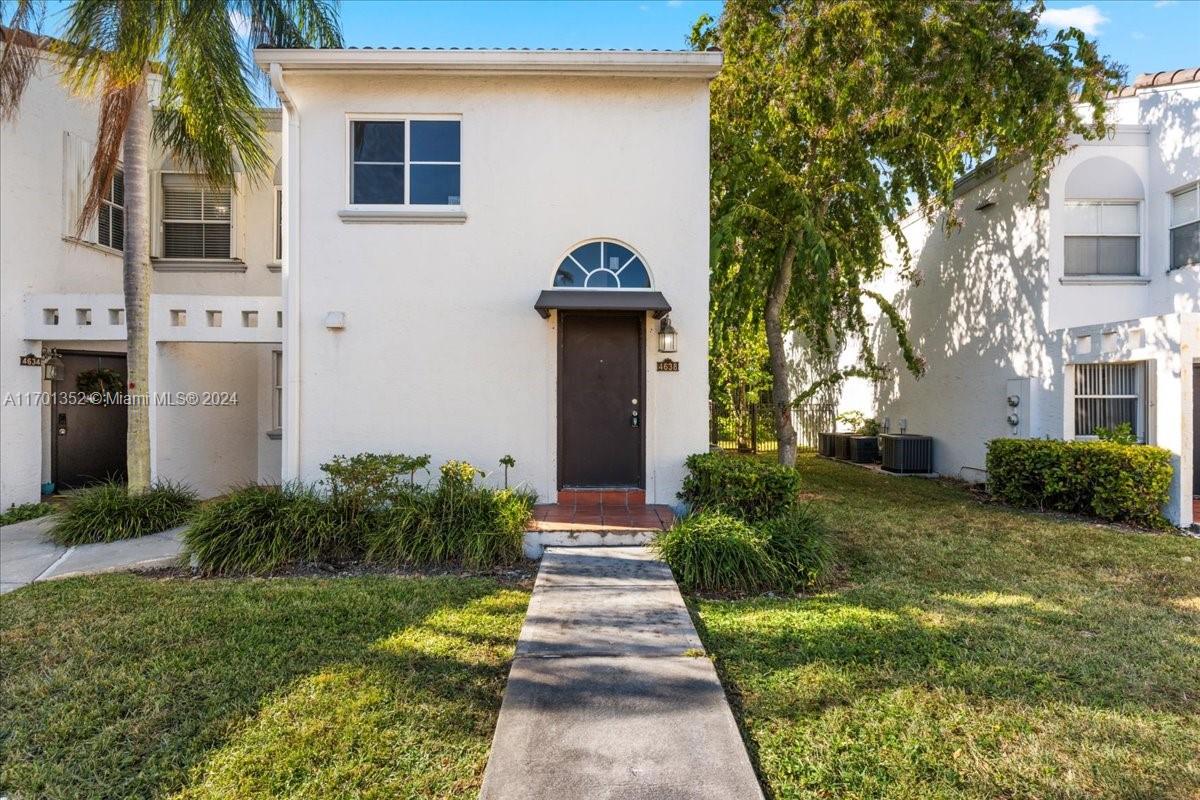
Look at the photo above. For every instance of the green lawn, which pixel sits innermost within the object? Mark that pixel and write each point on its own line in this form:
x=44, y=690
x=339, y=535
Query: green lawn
x=126, y=686
x=969, y=650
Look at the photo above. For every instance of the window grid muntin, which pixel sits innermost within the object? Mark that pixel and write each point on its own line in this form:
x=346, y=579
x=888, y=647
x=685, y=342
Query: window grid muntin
x=408, y=162
x=604, y=266
x=1100, y=234
x=217, y=222
x=1191, y=219
x=110, y=207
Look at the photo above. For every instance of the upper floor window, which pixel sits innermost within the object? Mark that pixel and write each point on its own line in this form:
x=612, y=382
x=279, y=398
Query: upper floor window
x=197, y=218
x=110, y=224
x=411, y=162
x=602, y=265
x=1102, y=238
x=1185, y=227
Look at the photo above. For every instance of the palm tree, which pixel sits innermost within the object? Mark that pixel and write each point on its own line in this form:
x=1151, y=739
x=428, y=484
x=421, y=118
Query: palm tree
x=207, y=115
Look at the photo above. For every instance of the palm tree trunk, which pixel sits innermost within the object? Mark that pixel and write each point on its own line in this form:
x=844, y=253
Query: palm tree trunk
x=781, y=396
x=136, y=149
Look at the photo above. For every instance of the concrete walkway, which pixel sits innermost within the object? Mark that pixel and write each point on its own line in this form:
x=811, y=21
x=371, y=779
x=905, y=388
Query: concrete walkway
x=610, y=695
x=28, y=555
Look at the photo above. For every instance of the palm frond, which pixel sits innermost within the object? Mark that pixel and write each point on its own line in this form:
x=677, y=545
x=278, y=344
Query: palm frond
x=208, y=115
x=116, y=104
x=20, y=56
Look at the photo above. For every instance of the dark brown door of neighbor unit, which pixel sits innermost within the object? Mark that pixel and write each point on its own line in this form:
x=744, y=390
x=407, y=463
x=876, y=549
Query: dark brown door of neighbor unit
x=601, y=401
x=89, y=438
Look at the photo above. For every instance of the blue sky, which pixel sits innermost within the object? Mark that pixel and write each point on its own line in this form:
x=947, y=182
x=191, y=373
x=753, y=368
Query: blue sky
x=1144, y=35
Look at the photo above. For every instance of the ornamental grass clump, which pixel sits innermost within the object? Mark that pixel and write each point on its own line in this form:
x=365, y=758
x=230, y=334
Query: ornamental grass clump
x=108, y=512
x=456, y=522
x=798, y=546
x=257, y=529
x=716, y=552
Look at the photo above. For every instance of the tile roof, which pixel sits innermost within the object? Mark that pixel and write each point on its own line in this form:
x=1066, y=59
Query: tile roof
x=1149, y=80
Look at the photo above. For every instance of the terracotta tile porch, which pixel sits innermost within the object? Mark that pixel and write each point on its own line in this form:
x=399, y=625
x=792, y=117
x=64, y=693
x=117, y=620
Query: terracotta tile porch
x=601, y=510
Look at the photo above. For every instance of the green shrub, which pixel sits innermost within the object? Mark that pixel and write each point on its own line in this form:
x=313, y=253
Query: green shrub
x=751, y=488
x=25, y=512
x=257, y=529
x=1117, y=482
x=713, y=551
x=107, y=512
x=798, y=545
x=368, y=482
x=458, y=521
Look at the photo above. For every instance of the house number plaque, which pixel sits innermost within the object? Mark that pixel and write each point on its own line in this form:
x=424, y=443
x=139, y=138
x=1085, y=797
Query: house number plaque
x=31, y=360
x=668, y=365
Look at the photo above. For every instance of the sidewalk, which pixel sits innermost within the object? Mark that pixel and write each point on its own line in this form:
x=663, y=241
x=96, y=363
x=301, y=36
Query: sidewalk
x=28, y=555
x=610, y=694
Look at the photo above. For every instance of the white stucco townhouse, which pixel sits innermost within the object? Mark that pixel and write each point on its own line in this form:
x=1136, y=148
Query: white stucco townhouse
x=1077, y=311
x=216, y=312
x=485, y=253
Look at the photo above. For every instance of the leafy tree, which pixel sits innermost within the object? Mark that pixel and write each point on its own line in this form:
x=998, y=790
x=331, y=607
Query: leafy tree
x=207, y=114
x=833, y=119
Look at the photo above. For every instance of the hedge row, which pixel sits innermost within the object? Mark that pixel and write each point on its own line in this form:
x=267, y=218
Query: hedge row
x=1116, y=482
x=751, y=488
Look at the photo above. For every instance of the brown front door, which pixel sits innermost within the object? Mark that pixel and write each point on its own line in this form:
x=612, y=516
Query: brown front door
x=89, y=438
x=601, y=402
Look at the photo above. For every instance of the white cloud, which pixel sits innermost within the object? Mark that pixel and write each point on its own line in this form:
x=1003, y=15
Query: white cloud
x=1138, y=35
x=241, y=23
x=1087, y=18
x=674, y=3
x=1165, y=3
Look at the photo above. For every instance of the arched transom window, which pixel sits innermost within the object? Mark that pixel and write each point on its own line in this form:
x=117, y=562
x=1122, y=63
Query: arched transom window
x=602, y=265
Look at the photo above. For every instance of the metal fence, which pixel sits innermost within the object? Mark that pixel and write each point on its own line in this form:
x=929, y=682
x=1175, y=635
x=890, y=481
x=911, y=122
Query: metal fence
x=751, y=427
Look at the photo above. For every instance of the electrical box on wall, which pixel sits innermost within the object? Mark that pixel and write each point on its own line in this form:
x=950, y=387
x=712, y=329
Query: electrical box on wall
x=1015, y=406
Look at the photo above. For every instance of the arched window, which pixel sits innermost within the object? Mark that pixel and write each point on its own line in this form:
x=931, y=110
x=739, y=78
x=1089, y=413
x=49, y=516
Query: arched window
x=602, y=264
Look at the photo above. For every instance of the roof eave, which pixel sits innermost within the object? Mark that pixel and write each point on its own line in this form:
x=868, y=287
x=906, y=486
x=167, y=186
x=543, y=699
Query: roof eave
x=700, y=65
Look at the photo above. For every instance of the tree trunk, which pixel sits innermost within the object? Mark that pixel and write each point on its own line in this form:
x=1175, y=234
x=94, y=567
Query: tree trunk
x=136, y=149
x=781, y=395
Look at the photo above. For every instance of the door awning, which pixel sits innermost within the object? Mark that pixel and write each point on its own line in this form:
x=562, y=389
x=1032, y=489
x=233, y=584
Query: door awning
x=602, y=300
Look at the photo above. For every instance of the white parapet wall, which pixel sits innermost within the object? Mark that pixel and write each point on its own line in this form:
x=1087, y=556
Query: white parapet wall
x=173, y=318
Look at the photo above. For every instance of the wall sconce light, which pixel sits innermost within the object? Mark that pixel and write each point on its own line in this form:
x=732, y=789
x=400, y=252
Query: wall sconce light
x=667, y=338
x=335, y=320
x=903, y=425
x=53, y=368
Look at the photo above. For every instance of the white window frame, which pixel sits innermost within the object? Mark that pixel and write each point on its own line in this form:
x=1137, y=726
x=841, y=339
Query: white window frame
x=162, y=220
x=1139, y=207
x=1141, y=395
x=348, y=193
x=277, y=389
x=106, y=206
x=1172, y=225
x=277, y=240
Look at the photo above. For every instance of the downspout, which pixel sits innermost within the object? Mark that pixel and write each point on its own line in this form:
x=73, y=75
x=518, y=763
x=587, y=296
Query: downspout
x=290, y=280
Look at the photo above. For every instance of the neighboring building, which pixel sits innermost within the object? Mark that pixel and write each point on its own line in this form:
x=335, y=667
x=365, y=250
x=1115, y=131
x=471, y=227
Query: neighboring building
x=1053, y=318
x=216, y=312
x=478, y=249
